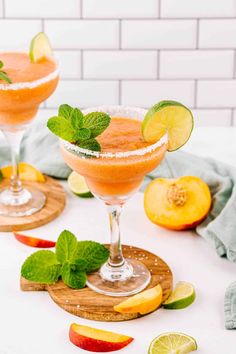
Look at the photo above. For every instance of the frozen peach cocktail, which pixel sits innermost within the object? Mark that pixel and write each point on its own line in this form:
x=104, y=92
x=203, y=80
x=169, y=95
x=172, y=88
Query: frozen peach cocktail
x=124, y=160
x=114, y=148
x=26, y=80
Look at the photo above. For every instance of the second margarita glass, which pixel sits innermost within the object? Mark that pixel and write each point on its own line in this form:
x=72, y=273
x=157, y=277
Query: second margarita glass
x=113, y=177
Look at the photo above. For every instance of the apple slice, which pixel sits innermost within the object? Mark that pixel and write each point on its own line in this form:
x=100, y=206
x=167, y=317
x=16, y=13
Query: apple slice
x=97, y=340
x=34, y=242
x=144, y=302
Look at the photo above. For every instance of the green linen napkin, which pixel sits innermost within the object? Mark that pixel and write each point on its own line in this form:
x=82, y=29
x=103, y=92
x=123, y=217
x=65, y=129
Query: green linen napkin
x=230, y=307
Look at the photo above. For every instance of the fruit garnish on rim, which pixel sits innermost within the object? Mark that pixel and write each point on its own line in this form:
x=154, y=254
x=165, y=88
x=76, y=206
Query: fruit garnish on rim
x=97, y=340
x=143, y=303
x=170, y=117
x=34, y=241
x=182, y=296
x=172, y=343
x=78, y=185
x=71, y=125
x=40, y=48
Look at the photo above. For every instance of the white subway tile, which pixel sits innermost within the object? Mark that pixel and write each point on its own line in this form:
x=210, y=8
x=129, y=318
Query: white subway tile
x=69, y=63
x=199, y=8
x=197, y=64
x=120, y=64
x=217, y=33
x=84, y=93
x=42, y=8
x=79, y=34
x=146, y=93
x=216, y=93
x=18, y=33
x=150, y=34
x=120, y=8
x=211, y=117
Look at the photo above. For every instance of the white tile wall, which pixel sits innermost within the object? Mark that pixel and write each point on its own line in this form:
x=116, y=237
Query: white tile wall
x=120, y=64
x=198, y=8
x=120, y=8
x=42, y=8
x=159, y=34
x=146, y=93
x=195, y=64
x=135, y=51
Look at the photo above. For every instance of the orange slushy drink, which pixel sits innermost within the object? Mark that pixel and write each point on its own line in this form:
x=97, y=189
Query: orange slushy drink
x=123, y=162
x=32, y=83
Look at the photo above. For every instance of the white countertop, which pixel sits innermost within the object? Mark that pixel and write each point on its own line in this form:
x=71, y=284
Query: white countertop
x=33, y=323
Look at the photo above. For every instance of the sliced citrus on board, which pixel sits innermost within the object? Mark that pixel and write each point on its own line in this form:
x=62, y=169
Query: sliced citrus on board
x=168, y=117
x=78, y=185
x=172, y=343
x=144, y=302
x=40, y=48
x=182, y=296
x=26, y=172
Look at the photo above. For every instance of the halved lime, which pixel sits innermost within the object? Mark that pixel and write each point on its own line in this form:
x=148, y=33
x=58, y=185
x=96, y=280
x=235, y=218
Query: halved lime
x=182, y=296
x=172, y=343
x=78, y=185
x=168, y=117
x=40, y=48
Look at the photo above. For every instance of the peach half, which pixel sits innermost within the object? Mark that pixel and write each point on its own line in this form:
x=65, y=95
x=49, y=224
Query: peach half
x=97, y=340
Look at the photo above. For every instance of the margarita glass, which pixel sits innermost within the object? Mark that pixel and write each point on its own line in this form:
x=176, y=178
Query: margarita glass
x=33, y=83
x=114, y=175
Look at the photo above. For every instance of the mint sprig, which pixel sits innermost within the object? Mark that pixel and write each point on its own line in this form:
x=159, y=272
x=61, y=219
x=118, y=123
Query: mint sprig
x=3, y=74
x=71, y=261
x=71, y=125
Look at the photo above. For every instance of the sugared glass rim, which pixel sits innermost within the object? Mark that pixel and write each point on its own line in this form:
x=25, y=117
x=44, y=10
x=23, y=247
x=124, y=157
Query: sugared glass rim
x=31, y=84
x=116, y=110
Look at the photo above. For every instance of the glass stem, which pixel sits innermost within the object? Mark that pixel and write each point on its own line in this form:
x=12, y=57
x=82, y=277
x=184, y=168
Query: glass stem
x=14, y=140
x=116, y=258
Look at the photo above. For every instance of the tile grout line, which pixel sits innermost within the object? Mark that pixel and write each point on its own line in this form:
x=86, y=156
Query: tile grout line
x=81, y=64
x=197, y=34
x=232, y=118
x=159, y=9
x=119, y=91
x=195, y=93
x=158, y=63
x=234, y=64
x=3, y=9
x=81, y=8
x=120, y=34
x=43, y=24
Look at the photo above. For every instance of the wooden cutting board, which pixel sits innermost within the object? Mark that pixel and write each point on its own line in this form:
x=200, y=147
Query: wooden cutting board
x=90, y=305
x=55, y=203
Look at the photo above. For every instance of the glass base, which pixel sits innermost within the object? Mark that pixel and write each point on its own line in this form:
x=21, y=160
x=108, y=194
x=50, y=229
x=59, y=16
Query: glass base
x=24, y=203
x=128, y=279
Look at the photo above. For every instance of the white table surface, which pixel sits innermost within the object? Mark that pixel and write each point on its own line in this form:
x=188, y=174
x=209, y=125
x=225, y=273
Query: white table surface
x=31, y=323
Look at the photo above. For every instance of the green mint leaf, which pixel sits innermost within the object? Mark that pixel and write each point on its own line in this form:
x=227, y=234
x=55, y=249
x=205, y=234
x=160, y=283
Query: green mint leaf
x=1, y=64
x=90, y=144
x=76, y=118
x=97, y=122
x=94, y=253
x=62, y=127
x=42, y=267
x=65, y=111
x=83, y=134
x=73, y=278
x=66, y=246
x=5, y=77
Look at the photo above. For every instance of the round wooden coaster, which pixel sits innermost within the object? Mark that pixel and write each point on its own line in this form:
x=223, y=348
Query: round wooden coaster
x=55, y=203
x=90, y=305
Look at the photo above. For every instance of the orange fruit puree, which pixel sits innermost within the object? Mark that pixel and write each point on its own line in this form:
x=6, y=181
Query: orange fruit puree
x=112, y=176
x=18, y=101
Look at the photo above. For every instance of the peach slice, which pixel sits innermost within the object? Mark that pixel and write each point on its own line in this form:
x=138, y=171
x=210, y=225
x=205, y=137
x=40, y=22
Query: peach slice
x=97, y=340
x=26, y=173
x=33, y=241
x=144, y=302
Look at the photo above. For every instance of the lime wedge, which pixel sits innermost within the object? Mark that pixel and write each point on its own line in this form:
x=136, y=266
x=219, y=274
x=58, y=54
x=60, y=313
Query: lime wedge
x=78, y=185
x=182, y=296
x=171, y=117
x=40, y=48
x=172, y=343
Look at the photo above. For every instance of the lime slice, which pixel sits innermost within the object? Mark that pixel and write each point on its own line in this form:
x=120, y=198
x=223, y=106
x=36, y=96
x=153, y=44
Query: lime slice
x=40, y=48
x=78, y=185
x=172, y=343
x=171, y=117
x=182, y=296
